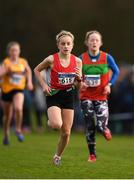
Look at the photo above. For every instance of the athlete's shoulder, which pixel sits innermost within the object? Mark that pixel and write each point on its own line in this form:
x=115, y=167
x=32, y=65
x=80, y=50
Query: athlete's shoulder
x=104, y=56
x=49, y=59
x=77, y=59
x=23, y=60
x=109, y=57
x=111, y=60
x=6, y=61
x=54, y=56
x=104, y=53
x=82, y=55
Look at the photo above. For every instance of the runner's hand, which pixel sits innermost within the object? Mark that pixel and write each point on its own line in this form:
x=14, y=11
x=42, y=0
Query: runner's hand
x=47, y=90
x=107, y=90
x=3, y=71
x=30, y=86
x=78, y=74
x=84, y=86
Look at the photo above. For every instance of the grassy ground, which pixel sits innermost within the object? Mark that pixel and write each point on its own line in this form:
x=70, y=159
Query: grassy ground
x=33, y=158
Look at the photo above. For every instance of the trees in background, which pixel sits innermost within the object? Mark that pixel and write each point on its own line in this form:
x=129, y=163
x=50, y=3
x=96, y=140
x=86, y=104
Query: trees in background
x=35, y=23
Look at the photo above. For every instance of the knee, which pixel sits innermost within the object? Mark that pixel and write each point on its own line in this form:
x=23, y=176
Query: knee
x=54, y=125
x=66, y=134
x=18, y=110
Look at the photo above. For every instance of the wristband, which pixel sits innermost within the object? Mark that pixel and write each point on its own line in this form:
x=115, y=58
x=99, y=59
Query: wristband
x=110, y=84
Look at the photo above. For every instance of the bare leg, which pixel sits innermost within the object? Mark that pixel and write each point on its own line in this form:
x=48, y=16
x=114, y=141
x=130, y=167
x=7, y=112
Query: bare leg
x=54, y=115
x=67, y=119
x=18, y=101
x=8, y=112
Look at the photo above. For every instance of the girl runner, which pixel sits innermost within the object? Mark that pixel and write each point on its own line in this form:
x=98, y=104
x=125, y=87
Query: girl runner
x=63, y=70
x=95, y=89
x=15, y=74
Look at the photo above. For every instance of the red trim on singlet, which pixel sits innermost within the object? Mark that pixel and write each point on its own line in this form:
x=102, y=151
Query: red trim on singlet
x=58, y=68
x=87, y=60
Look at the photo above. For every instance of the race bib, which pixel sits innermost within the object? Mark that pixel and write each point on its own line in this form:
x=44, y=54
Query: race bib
x=16, y=79
x=66, y=78
x=92, y=80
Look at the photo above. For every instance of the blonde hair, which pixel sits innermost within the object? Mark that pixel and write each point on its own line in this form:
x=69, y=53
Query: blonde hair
x=10, y=44
x=90, y=33
x=64, y=33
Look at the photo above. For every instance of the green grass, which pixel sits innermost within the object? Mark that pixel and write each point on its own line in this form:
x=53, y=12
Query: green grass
x=33, y=158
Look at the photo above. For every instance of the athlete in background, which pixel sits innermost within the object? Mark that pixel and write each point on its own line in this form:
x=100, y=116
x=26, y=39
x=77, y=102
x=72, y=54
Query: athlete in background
x=1, y=110
x=95, y=89
x=16, y=74
x=63, y=71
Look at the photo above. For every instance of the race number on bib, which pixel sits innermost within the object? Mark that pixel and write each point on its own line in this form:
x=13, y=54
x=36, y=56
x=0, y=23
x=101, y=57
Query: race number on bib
x=16, y=79
x=92, y=80
x=66, y=78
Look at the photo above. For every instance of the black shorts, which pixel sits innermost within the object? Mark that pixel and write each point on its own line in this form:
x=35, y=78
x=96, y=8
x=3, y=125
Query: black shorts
x=64, y=99
x=8, y=97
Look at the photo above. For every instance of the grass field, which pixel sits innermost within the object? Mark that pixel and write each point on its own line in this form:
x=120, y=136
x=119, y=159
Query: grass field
x=33, y=158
